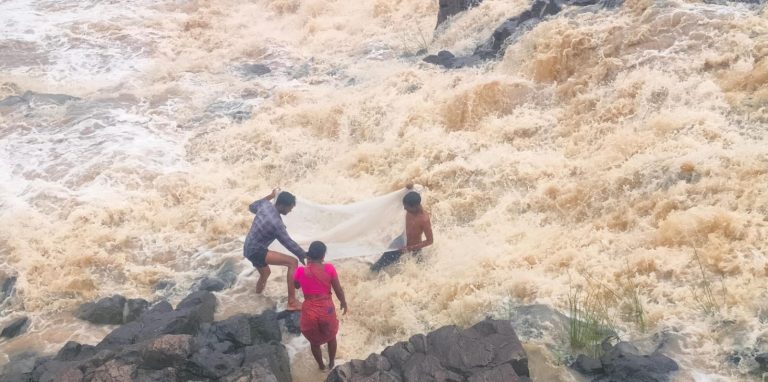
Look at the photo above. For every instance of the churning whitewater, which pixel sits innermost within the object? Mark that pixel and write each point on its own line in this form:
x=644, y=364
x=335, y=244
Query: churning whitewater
x=618, y=154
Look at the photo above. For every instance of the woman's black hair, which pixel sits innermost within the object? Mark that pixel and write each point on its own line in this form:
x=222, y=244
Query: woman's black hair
x=316, y=250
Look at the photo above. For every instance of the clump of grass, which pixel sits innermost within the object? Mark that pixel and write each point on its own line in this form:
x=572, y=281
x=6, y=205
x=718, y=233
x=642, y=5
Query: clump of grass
x=415, y=41
x=703, y=295
x=590, y=321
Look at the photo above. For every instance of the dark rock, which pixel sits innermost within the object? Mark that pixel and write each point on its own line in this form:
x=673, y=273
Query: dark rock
x=212, y=363
x=291, y=320
x=16, y=327
x=168, y=350
x=73, y=351
x=487, y=351
x=237, y=111
x=19, y=367
x=42, y=98
x=266, y=327
x=168, y=374
x=255, y=69
x=108, y=311
x=271, y=356
x=134, y=308
x=587, y=365
x=500, y=373
x=443, y=58
x=256, y=373
x=113, y=370
x=47, y=370
x=212, y=284
x=236, y=329
x=13, y=101
x=511, y=29
x=166, y=344
x=7, y=288
x=202, y=304
x=623, y=362
x=195, y=309
x=164, y=285
x=227, y=273
x=450, y=8
x=495, y=46
x=762, y=360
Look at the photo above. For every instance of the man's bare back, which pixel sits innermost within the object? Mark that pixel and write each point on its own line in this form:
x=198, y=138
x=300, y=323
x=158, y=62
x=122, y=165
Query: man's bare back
x=417, y=225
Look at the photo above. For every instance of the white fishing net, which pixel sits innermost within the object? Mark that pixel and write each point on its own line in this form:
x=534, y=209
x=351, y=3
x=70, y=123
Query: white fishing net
x=358, y=229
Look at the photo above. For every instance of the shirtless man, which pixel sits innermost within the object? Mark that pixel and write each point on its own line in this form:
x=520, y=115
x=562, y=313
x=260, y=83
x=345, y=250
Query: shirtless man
x=417, y=225
x=266, y=227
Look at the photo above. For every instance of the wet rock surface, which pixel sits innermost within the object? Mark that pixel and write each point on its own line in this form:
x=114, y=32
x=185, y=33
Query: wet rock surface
x=167, y=344
x=511, y=29
x=488, y=351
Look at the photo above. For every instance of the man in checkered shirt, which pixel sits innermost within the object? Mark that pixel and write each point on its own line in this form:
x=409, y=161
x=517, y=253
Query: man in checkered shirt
x=266, y=227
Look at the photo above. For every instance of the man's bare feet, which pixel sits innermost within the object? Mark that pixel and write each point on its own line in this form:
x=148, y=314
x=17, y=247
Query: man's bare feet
x=321, y=366
x=331, y=364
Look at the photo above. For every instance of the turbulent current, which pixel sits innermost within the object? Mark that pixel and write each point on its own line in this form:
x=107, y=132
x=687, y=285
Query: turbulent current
x=618, y=155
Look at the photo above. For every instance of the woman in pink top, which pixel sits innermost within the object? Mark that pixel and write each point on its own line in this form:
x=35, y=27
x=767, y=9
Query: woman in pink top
x=318, y=314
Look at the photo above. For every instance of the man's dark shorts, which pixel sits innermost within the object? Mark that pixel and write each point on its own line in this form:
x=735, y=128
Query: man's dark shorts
x=257, y=257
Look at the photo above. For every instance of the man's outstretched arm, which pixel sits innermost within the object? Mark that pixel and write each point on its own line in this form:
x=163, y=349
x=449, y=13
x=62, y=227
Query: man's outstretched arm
x=287, y=242
x=255, y=206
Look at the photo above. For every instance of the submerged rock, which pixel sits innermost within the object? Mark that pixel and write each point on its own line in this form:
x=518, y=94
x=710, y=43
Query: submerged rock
x=19, y=367
x=250, y=70
x=512, y=28
x=113, y=310
x=237, y=111
x=15, y=328
x=7, y=288
x=488, y=351
x=762, y=360
x=624, y=363
x=108, y=311
x=450, y=8
x=291, y=320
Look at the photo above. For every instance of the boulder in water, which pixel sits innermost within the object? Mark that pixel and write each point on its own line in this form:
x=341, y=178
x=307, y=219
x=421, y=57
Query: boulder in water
x=182, y=344
x=512, y=28
x=291, y=320
x=19, y=367
x=762, y=360
x=450, y=8
x=255, y=69
x=108, y=310
x=624, y=363
x=134, y=308
x=15, y=328
x=7, y=287
x=488, y=351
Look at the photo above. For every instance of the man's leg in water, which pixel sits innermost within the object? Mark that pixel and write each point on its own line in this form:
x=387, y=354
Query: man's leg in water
x=277, y=258
x=390, y=257
x=387, y=259
x=263, y=276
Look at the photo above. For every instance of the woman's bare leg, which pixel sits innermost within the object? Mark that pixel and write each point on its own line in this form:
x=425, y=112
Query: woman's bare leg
x=318, y=354
x=277, y=258
x=331, y=353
